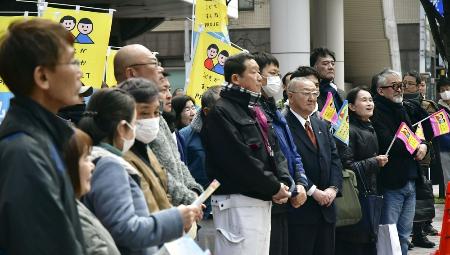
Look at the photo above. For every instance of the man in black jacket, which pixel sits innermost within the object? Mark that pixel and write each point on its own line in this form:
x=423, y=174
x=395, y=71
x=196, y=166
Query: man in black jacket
x=239, y=154
x=38, y=214
x=323, y=60
x=312, y=226
x=398, y=177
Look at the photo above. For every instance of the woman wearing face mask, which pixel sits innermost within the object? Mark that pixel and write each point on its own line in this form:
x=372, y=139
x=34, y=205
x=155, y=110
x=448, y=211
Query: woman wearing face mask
x=115, y=197
x=96, y=238
x=271, y=85
x=361, y=156
x=141, y=156
x=443, y=88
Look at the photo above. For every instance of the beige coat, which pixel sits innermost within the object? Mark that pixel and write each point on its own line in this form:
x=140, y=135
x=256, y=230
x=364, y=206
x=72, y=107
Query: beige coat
x=153, y=181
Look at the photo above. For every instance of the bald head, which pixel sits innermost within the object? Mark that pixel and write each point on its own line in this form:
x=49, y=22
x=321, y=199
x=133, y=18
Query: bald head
x=136, y=60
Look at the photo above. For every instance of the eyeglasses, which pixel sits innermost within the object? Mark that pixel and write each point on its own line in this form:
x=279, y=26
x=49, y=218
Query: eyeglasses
x=74, y=62
x=395, y=86
x=155, y=63
x=314, y=94
x=188, y=109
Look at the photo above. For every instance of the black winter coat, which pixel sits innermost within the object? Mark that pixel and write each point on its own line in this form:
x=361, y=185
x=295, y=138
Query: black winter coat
x=38, y=212
x=235, y=152
x=360, y=154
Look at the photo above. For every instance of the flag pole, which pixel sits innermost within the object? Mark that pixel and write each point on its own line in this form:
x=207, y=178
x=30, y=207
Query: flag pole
x=390, y=145
x=417, y=123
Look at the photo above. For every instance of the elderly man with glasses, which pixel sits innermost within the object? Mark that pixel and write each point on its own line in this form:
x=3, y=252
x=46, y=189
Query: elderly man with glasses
x=398, y=177
x=312, y=226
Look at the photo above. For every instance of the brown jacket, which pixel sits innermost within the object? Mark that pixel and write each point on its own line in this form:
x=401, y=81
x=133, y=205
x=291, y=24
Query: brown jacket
x=153, y=181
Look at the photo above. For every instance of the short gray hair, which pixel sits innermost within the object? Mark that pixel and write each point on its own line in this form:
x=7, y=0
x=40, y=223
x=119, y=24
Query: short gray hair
x=296, y=80
x=383, y=75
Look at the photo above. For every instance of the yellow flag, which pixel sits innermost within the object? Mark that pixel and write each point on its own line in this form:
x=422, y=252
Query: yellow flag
x=208, y=65
x=211, y=16
x=329, y=110
x=109, y=67
x=5, y=21
x=343, y=127
x=91, y=31
x=419, y=132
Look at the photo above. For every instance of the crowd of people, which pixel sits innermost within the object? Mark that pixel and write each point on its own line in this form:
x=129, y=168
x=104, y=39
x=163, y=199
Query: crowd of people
x=119, y=174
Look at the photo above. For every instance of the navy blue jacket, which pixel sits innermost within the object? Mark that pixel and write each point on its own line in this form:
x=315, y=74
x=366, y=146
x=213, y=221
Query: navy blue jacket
x=322, y=166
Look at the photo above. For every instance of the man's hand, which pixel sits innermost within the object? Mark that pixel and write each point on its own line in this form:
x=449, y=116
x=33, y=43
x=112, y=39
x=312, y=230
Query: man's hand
x=421, y=152
x=321, y=197
x=282, y=195
x=331, y=193
x=300, y=199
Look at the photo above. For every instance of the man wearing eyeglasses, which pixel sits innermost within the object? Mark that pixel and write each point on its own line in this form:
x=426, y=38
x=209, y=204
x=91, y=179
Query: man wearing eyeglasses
x=312, y=226
x=425, y=211
x=323, y=60
x=136, y=60
x=398, y=177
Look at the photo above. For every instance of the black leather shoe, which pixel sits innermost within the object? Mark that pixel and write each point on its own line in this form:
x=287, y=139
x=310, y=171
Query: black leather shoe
x=410, y=245
x=422, y=242
x=429, y=230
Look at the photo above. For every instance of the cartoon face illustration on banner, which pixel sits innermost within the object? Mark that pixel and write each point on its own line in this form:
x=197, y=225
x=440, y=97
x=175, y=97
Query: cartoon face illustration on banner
x=85, y=27
x=440, y=119
x=68, y=22
x=219, y=67
x=406, y=133
x=211, y=54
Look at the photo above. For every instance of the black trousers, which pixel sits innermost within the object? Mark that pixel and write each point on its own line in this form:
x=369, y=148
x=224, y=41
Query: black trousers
x=312, y=239
x=279, y=234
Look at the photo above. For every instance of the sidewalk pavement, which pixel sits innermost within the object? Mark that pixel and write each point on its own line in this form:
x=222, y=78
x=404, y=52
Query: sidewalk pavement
x=437, y=224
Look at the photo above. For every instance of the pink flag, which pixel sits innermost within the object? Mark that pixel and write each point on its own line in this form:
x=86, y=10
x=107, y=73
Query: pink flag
x=408, y=137
x=440, y=123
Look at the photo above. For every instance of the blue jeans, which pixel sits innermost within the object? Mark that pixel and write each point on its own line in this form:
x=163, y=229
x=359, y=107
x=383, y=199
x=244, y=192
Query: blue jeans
x=398, y=208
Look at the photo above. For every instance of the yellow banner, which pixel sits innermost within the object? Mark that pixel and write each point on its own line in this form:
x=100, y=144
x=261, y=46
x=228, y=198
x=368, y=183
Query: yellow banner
x=91, y=31
x=208, y=65
x=211, y=16
x=4, y=23
x=109, y=67
x=419, y=132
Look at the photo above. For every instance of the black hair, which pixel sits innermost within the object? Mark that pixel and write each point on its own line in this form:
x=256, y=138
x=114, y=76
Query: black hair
x=285, y=77
x=236, y=65
x=303, y=71
x=68, y=17
x=264, y=59
x=178, y=104
x=214, y=46
x=85, y=21
x=210, y=96
x=443, y=81
x=352, y=95
x=176, y=91
x=105, y=110
x=224, y=53
x=320, y=53
x=142, y=90
x=414, y=74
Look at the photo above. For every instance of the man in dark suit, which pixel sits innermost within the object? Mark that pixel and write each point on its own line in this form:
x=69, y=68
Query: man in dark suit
x=312, y=226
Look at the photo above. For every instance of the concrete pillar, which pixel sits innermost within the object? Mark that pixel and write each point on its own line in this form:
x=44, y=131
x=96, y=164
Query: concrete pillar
x=289, y=33
x=327, y=30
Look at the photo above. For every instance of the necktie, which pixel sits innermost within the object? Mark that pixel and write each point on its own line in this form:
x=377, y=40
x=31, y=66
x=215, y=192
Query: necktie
x=310, y=133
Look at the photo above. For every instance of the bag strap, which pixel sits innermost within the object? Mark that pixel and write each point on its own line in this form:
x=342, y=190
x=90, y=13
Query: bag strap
x=363, y=180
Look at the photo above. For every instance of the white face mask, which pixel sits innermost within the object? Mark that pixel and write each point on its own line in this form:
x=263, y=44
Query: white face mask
x=128, y=143
x=445, y=95
x=273, y=86
x=147, y=129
